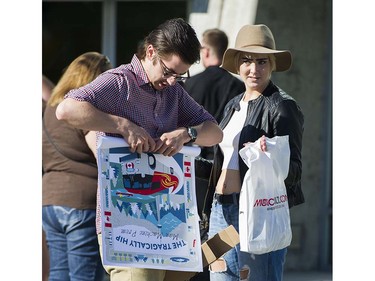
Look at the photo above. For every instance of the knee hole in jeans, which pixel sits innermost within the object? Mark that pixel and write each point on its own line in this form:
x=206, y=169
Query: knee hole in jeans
x=244, y=273
x=219, y=265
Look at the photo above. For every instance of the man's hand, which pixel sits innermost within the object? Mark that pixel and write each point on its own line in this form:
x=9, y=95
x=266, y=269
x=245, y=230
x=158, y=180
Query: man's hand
x=171, y=143
x=137, y=138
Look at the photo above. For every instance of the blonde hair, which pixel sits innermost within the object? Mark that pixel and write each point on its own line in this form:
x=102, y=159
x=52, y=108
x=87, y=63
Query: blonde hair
x=80, y=72
x=239, y=55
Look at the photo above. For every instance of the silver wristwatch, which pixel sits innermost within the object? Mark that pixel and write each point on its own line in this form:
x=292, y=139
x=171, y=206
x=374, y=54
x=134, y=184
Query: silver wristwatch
x=192, y=132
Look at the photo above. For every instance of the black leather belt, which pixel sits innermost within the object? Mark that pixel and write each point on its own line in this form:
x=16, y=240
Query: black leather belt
x=233, y=198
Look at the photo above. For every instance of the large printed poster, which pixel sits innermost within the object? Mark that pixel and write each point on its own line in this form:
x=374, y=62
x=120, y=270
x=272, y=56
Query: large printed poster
x=148, y=205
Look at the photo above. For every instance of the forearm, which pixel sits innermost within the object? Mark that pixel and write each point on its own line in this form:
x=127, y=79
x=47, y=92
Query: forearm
x=290, y=122
x=209, y=134
x=83, y=115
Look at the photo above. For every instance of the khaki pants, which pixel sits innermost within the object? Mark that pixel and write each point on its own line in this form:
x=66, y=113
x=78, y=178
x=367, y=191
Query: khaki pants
x=131, y=273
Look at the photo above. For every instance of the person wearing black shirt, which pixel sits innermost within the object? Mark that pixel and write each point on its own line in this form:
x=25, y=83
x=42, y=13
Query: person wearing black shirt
x=212, y=89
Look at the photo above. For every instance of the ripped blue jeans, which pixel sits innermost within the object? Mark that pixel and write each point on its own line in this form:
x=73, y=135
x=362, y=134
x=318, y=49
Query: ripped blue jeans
x=265, y=267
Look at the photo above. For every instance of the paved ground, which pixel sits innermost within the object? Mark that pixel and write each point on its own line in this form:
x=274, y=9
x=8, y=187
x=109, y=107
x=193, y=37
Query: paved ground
x=308, y=276
x=302, y=276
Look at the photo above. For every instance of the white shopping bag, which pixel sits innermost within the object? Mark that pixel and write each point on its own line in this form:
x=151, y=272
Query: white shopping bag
x=264, y=221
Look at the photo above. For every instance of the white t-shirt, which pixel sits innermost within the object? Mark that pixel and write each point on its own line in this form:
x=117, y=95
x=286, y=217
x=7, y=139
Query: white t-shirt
x=229, y=144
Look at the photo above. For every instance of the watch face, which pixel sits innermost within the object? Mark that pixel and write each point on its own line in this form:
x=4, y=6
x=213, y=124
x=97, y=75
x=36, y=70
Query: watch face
x=192, y=133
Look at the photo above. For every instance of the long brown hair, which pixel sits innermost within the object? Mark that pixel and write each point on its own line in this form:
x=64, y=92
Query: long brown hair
x=80, y=72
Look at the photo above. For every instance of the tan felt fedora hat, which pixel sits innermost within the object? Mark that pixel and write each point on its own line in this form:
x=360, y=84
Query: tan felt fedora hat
x=256, y=39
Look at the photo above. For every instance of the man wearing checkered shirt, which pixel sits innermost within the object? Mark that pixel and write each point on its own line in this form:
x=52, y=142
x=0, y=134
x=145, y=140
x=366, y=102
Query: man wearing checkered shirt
x=143, y=103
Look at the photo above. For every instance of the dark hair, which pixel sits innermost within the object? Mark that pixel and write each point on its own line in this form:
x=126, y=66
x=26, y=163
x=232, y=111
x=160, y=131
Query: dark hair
x=175, y=36
x=217, y=40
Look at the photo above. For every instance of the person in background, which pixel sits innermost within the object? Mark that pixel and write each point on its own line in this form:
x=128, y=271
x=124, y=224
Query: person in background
x=263, y=110
x=215, y=86
x=70, y=182
x=142, y=103
x=212, y=89
x=47, y=86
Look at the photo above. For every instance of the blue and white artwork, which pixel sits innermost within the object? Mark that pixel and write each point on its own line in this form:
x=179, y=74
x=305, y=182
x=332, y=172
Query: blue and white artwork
x=148, y=208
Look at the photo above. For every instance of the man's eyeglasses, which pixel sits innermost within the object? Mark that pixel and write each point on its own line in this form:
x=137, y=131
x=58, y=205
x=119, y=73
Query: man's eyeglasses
x=167, y=73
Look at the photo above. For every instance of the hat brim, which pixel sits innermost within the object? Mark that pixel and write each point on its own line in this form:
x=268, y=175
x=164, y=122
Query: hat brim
x=283, y=57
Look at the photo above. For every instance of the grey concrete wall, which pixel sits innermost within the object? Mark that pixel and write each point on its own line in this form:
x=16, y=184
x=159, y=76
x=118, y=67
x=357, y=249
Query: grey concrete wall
x=304, y=27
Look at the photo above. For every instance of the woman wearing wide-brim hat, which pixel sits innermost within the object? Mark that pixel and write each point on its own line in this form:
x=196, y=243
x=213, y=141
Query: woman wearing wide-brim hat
x=263, y=110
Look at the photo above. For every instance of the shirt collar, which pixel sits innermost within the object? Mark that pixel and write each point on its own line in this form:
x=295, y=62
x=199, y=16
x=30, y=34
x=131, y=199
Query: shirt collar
x=137, y=68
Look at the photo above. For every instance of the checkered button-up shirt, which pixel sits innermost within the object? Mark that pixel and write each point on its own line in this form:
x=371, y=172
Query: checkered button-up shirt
x=126, y=91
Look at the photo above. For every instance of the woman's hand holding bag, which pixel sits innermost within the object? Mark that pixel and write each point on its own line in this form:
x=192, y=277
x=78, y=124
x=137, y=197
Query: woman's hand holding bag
x=264, y=221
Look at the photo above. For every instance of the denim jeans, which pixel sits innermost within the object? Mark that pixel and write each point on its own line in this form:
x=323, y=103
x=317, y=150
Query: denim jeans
x=265, y=267
x=72, y=243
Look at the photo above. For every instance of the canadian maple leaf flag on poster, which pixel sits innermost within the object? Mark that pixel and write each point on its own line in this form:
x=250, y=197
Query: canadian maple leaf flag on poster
x=187, y=169
x=107, y=222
